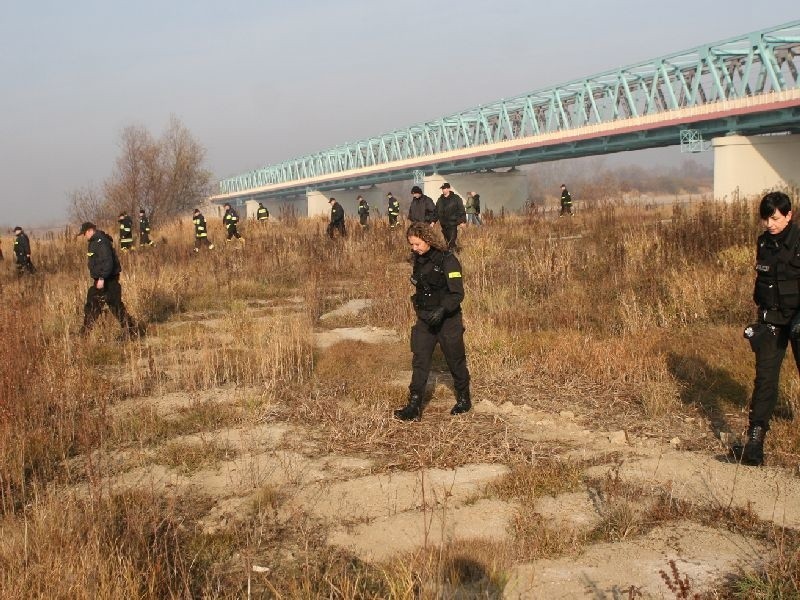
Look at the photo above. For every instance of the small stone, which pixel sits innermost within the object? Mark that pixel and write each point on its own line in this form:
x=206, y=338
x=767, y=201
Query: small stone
x=618, y=438
x=566, y=414
x=675, y=442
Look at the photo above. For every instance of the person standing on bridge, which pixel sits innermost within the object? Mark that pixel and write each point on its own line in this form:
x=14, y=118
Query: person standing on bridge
x=451, y=214
x=777, y=295
x=393, y=210
x=22, y=252
x=125, y=232
x=566, y=202
x=231, y=221
x=363, y=212
x=200, y=231
x=439, y=287
x=422, y=209
x=337, y=219
x=144, y=229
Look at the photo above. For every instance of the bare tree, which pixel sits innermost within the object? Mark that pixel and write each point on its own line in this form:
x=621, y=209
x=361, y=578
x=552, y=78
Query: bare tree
x=86, y=204
x=186, y=182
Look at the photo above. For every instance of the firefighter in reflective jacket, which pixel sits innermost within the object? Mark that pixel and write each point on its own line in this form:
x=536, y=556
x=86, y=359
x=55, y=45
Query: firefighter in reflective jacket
x=777, y=295
x=144, y=229
x=363, y=211
x=439, y=291
x=125, y=231
x=262, y=214
x=104, y=269
x=200, y=231
x=393, y=210
x=231, y=221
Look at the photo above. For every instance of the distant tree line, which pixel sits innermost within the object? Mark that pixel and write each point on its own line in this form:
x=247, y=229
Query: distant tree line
x=164, y=176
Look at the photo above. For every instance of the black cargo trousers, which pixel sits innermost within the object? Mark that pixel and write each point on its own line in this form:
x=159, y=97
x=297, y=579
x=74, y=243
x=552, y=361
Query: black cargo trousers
x=111, y=296
x=450, y=337
x=769, y=358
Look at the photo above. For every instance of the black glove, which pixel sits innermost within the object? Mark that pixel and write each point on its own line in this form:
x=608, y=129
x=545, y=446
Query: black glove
x=436, y=317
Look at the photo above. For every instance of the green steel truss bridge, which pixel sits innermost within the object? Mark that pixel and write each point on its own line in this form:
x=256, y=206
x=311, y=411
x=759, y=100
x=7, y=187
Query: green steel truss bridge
x=746, y=85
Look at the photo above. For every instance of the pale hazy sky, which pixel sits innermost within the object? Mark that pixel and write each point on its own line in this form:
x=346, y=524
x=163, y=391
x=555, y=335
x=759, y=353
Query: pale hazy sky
x=258, y=82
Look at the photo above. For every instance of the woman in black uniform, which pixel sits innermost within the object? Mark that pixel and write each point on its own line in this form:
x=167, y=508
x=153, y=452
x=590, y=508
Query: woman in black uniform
x=439, y=286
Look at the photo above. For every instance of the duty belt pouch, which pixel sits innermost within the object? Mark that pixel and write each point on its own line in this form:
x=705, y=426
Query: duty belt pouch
x=757, y=333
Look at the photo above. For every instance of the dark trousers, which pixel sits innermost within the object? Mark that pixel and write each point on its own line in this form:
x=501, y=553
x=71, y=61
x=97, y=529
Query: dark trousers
x=769, y=358
x=144, y=239
x=450, y=337
x=566, y=209
x=450, y=235
x=111, y=296
x=202, y=241
x=25, y=265
x=233, y=233
x=392, y=220
x=337, y=225
x=362, y=219
x=126, y=244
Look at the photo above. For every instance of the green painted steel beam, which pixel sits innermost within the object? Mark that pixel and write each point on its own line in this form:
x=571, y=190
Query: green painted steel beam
x=750, y=65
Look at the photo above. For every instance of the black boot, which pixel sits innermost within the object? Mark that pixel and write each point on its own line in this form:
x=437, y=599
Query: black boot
x=411, y=411
x=753, y=453
x=462, y=405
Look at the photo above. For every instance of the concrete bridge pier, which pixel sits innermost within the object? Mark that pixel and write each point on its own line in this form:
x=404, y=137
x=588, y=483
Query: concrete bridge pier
x=507, y=190
x=754, y=165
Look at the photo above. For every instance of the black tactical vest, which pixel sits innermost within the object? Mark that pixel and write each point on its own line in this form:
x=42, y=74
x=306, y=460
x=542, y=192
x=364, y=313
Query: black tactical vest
x=777, y=288
x=430, y=280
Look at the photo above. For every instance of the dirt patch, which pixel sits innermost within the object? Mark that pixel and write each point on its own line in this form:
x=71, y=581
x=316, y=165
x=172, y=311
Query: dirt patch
x=369, y=335
x=348, y=309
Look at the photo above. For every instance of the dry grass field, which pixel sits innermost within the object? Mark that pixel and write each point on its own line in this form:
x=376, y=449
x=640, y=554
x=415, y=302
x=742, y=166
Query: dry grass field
x=245, y=446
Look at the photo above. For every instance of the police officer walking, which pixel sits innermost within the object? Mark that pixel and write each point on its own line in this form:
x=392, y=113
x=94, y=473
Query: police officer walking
x=144, y=229
x=231, y=221
x=393, y=210
x=363, y=212
x=337, y=219
x=422, y=209
x=200, y=231
x=262, y=214
x=566, y=202
x=22, y=252
x=104, y=269
x=125, y=231
x=777, y=294
x=439, y=286
x=451, y=213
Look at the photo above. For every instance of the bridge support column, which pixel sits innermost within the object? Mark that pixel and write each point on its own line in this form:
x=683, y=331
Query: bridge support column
x=753, y=165
x=317, y=203
x=507, y=190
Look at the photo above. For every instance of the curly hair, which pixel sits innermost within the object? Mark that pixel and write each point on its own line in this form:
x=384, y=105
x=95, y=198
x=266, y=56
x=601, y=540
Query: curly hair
x=427, y=234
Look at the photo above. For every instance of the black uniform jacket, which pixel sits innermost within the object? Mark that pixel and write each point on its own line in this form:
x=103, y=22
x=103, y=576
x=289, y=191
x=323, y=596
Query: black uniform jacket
x=231, y=218
x=394, y=206
x=144, y=225
x=22, y=246
x=363, y=209
x=103, y=261
x=777, y=287
x=126, y=228
x=337, y=213
x=199, y=225
x=422, y=210
x=450, y=210
x=439, y=282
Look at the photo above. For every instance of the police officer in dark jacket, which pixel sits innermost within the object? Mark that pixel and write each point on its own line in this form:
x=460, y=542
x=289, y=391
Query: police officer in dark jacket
x=363, y=211
x=125, y=231
x=144, y=229
x=231, y=221
x=439, y=286
x=451, y=214
x=777, y=294
x=393, y=210
x=200, y=231
x=104, y=269
x=422, y=209
x=22, y=252
x=337, y=218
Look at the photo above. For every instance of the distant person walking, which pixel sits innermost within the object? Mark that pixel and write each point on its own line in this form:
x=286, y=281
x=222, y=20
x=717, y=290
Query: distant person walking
x=451, y=214
x=393, y=209
x=200, y=231
x=104, y=269
x=125, y=232
x=144, y=229
x=422, y=209
x=566, y=202
x=473, y=209
x=22, y=252
x=439, y=285
x=337, y=219
x=363, y=212
x=231, y=221
x=262, y=214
